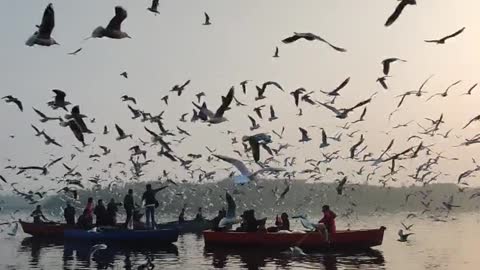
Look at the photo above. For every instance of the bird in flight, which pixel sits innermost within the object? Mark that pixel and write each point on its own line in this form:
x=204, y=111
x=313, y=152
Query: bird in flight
x=387, y=62
x=207, y=19
x=75, y=52
x=311, y=37
x=442, y=40
x=335, y=91
x=154, y=7
x=113, y=29
x=16, y=101
x=43, y=36
x=276, y=53
x=398, y=11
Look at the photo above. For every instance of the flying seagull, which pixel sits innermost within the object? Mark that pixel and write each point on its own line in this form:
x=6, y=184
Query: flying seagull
x=59, y=101
x=46, y=118
x=206, y=115
x=245, y=172
x=179, y=89
x=121, y=133
x=10, y=99
x=442, y=40
x=154, y=7
x=113, y=29
x=310, y=37
x=304, y=133
x=72, y=124
x=324, y=139
x=127, y=98
x=75, y=52
x=272, y=114
x=207, y=19
x=398, y=11
x=335, y=91
x=43, y=36
x=276, y=53
x=230, y=217
x=387, y=62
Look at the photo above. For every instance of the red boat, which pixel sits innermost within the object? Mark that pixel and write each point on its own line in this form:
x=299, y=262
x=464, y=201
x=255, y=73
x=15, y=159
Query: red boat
x=358, y=239
x=44, y=229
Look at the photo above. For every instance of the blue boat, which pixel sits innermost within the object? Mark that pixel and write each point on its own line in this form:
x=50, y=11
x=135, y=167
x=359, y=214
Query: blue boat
x=163, y=236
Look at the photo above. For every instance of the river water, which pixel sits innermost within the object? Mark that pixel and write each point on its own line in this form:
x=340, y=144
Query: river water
x=448, y=244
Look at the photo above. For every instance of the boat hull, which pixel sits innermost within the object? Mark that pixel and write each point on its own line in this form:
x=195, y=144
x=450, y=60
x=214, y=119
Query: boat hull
x=190, y=226
x=358, y=239
x=158, y=236
x=44, y=229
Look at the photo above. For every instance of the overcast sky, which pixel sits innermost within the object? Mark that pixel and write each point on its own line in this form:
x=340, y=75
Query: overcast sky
x=174, y=46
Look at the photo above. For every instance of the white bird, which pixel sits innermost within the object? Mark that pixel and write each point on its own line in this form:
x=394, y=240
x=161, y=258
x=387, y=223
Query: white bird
x=296, y=251
x=43, y=36
x=244, y=170
x=307, y=224
x=403, y=237
x=230, y=217
x=96, y=248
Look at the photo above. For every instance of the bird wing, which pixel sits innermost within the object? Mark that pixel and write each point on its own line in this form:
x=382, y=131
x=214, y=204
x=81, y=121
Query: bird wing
x=341, y=86
x=252, y=120
x=331, y=108
x=231, y=206
x=476, y=118
x=116, y=22
x=272, y=111
x=225, y=103
x=291, y=39
x=48, y=23
x=396, y=13
x=40, y=113
x=265, y=84
x=330, y=44
x=454, y=34
x=119, y=130
x=237, y=163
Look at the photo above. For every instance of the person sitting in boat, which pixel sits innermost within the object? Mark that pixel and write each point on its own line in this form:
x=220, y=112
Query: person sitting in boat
x=250, y=223
x=151, y=203
x=327, y=224
x=85, y=221
x=281, y=223
x=112, y=209
x=181, y=217
x=216, y=220
x=100, y=214
x=129, y=206
x=38, y=216
x=69, y=214
x=199, y=215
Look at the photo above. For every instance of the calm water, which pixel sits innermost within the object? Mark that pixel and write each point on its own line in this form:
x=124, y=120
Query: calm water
x=435, y=245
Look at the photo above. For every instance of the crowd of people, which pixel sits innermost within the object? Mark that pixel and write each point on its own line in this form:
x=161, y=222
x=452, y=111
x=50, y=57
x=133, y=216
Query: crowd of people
x=107, y=216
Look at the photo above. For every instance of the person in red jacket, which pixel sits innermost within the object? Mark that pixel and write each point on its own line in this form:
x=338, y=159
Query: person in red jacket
x=327, y=224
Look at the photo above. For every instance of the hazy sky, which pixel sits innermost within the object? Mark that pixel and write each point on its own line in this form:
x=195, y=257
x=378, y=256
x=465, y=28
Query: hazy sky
x=173, y=47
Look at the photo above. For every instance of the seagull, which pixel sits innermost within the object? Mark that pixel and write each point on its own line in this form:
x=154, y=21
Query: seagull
x=121, y=133
x=230, y=217
x=382, y=82
x=206, y=115
x=50, y=140
x=96, y=248
x=403, y=237
x=199, y=96
x=76, y=131
x=75, y=52
x=469, y=92
x=305, y=137
x=113, y=29
x=296, y=94
x=387, y=62
x=335, y=91
x=10, y=99
x=59, y=101
x=244, y=86
x=343, y=113
x=43, y=36
x=398, y=11
x=78, y=117
x=46, y=118
x=310, y=37
x=340, y=185
x=258, y=111
x=254, y=123
x=445, y=93
x=207, y=19
x=154, y=7
x=255, y=141
x=245, y=172
x=442, y=40
x=307, y=224
x=296, y=251
x=406, y=227
x=324, y=139
x=38, y=132
x=276, y=53
x=105, y=130
x=476, y=118
x=180, y=89
x=127, y=98
x=362, y=116
x=3, y=179
x=355, y=146
x=261, y=90
x=272, y=114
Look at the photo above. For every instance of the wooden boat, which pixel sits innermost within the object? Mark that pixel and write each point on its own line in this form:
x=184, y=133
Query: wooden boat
x=349, y=239
x=188, y=226
x=44, y=229
x=164, y=236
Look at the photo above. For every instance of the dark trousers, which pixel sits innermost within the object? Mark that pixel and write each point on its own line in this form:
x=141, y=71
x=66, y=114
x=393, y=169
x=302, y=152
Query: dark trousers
x=70, y=220
x=129, y=216
x=150, y=216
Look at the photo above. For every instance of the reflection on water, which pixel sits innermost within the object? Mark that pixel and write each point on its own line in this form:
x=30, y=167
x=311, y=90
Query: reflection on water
x=259, y=258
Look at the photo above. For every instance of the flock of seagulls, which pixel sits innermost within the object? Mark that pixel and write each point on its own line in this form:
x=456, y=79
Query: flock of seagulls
x=256, y=149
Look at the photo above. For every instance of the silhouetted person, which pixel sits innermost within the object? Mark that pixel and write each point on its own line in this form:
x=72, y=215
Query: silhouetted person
x=100, y=214
x=69, y=214
x=129, y=205
x=89, y=207
x=85, y=221
x=150, y=204
x=216, y=220
x=199, y=215
x=181, y=217
x=38, y=216
x=112, y=209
